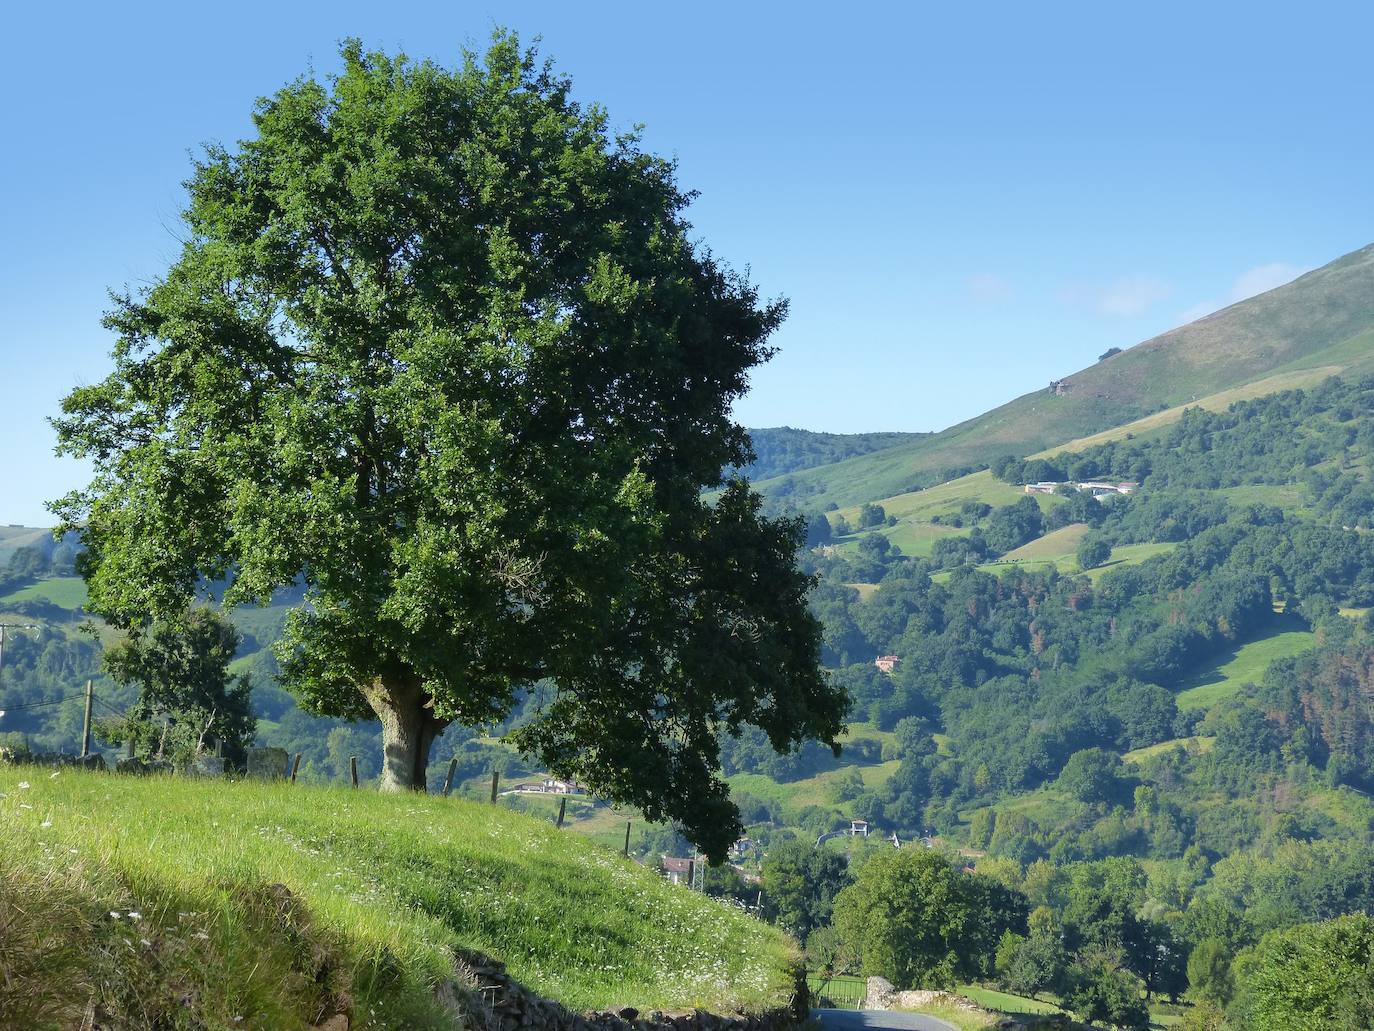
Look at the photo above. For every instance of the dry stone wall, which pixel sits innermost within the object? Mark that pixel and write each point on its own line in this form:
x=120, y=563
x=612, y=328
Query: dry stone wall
x=485, y=997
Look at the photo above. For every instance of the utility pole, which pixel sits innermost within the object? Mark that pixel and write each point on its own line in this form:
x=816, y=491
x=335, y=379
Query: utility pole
x=86, y=721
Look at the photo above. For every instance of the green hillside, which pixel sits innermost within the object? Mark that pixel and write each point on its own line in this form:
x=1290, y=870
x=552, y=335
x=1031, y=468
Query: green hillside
x=1318, y=325
x=14, y=537
x=1244, y=664
x=172, y=902
x=779, y=450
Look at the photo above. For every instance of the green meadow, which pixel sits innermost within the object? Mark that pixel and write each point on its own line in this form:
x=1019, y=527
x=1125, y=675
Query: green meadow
x=162, y=894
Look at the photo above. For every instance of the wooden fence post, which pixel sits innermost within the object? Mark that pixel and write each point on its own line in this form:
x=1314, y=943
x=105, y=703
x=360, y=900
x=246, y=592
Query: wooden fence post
x=448, y=781
x=562, y=810
x=627, y=839
x=353, y=769
x=86, y=722
x=295, y=767
x=495, y=782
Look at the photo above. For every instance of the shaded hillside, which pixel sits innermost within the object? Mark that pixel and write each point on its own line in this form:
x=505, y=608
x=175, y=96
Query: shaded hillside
x=1322, y=322
x=781, y=449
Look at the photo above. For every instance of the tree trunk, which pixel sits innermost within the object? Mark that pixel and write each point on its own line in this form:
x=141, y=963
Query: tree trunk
x=409, y=728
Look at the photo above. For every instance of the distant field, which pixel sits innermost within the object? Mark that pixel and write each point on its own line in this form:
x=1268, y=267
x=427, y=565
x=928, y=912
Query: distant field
x=1199, y=743
x=1289, y=497
x=866, y=591
x=1056, y=546
x=1054, y=554
x=946, y=498
x=1130, y=555
x=68, y=592
x=794, y=795
x=1244, y=664
x=918, y=539
x=915, y=534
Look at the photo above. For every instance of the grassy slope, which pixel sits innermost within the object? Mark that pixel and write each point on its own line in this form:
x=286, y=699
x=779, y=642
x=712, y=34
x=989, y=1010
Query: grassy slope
x=68, y=592
x=1244, y=664
x=391, y=884
x=12, y=538
x=1322, y=320
x=1199, y=744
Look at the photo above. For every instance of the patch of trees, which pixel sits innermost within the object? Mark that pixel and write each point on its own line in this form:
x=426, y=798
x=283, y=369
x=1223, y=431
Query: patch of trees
x=914, y=918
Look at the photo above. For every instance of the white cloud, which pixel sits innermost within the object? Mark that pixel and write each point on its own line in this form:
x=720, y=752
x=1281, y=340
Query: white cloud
x=1253, y=281
x=1132, y=296
x=1263, y=277
x=1196, y=311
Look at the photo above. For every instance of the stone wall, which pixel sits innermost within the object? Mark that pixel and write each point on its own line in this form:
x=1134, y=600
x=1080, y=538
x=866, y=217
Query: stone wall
x=883, y=996
x=483, y=996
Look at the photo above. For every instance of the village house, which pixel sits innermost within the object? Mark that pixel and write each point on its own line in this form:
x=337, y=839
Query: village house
x=548, y=786
x=678, y=870
x=1097, y=488
x=886, y=663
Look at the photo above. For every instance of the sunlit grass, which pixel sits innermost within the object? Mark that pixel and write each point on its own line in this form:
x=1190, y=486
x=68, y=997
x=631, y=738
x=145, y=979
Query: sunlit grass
x=392, y=886
x=67, y=592
x=1244, y=664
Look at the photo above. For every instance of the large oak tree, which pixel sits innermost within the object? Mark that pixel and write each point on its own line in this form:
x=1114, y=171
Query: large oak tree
x=440, y=347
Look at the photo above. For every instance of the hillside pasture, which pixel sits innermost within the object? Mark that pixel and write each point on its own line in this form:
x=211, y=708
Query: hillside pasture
x=385, y=887
x=1129, y=555
x=1058, y=546
x=1195, y=745
x=1244, y=664
x=67, y=592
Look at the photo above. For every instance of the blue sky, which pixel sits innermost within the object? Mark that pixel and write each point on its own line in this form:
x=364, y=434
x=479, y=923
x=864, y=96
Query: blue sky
x=961, y=201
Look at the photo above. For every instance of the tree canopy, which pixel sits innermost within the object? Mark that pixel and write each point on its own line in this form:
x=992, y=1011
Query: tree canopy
x=439, y=348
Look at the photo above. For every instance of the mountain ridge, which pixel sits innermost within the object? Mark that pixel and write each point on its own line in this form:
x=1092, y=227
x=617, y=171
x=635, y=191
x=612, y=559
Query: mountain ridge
x=1324, y=317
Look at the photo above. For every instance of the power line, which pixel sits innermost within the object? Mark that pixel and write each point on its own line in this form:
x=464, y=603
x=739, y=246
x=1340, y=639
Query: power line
x=34, y=705
x=110, y=708
x=58, y=701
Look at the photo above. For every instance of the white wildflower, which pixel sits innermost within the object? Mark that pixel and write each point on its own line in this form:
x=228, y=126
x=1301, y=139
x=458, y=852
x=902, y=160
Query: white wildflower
x=45, y=824
x=23, y=785
x=54, y=775
x=115, y=914
x=135, y=915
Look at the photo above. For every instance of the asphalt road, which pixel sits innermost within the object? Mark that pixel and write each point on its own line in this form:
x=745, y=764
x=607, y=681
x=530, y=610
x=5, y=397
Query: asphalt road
x=857, y=1020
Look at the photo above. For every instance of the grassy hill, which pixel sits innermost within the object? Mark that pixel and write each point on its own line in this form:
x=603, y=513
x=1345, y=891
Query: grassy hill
x=14, y=537
x=272, y=905
x=1245, y=663
x=1318, y=325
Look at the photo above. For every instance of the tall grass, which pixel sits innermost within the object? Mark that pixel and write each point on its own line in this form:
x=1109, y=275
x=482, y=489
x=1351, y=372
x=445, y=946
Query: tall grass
x=271, y=905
